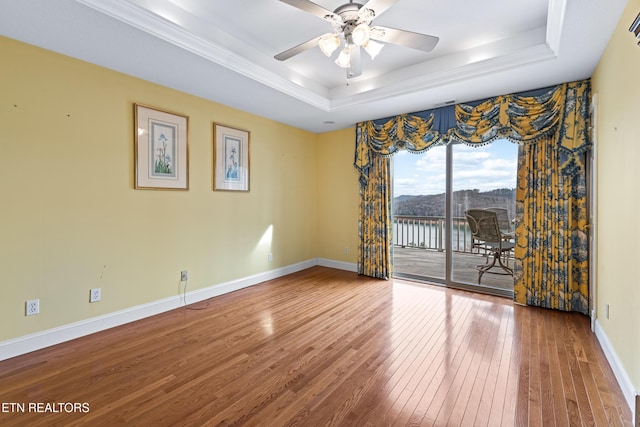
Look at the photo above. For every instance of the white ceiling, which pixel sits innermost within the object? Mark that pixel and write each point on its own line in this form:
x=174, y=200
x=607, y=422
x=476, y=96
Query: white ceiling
x=223, y=51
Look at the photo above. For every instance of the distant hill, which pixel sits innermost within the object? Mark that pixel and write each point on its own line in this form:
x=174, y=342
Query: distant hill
x=434, y=204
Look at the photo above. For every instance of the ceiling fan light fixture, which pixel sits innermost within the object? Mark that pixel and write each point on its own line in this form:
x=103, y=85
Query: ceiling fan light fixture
x=329, y=43
x=344, y=59
x=353, y=22
x=360, y=34
x=366, y=15
x=377, y=33
x=373, y=48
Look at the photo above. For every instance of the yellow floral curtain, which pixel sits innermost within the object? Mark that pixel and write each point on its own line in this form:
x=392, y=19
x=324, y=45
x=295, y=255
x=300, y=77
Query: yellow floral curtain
x=375, y=253
x=523, y=119
x=551, y=267
x=404, y=132
x=555, y=120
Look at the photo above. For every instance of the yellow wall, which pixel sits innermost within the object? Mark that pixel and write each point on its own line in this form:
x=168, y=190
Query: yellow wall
x=617, y=86
x=338, y=197
x=71, y=219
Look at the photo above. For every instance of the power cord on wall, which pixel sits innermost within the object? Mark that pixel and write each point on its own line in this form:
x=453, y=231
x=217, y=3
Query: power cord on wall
x=183, y=284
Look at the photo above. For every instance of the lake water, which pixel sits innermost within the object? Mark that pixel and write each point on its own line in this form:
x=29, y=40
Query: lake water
x=431, y=235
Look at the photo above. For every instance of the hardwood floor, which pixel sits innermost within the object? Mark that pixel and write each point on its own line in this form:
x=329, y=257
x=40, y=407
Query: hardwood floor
x=325, y=347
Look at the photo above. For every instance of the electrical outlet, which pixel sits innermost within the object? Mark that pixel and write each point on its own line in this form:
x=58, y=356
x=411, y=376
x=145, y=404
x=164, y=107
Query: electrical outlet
x=95, y=294
x=184, y=275
x=346, y=249
x=606, y=311
x=32, y=307
x=270, y=257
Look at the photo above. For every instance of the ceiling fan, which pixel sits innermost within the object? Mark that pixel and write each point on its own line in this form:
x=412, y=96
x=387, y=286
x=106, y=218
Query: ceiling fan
x=352, y=22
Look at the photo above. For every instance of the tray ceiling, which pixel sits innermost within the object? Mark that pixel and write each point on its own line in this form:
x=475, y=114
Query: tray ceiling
x=223, y=51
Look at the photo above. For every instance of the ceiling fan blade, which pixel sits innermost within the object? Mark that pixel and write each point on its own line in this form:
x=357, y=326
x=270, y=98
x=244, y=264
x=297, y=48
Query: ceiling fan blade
x=309, y=7
x=379, y=6
x=355, y=67
x=283, y=56
x=410, y=39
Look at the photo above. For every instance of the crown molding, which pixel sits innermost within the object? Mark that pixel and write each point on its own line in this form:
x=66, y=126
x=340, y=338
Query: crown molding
x=454, y=71
x=397, y=83
x=166, y=30
x=555, y=22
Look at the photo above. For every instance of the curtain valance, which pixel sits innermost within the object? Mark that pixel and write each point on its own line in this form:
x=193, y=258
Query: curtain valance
x=523, y=118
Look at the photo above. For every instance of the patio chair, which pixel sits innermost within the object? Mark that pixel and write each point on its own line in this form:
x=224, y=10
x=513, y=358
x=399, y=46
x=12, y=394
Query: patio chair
x=485, y=230
x=504, y=222
x=506, y=227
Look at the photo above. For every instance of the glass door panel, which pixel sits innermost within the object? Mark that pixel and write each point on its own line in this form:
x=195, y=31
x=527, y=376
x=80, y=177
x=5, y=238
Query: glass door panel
x=419, y=214
x=482, y=178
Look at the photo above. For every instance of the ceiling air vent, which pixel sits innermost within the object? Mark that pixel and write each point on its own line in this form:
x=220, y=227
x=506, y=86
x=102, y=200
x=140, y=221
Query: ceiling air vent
x=444, y=104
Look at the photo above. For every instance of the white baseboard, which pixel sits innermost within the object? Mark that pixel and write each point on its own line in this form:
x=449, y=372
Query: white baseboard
x=36, y=341
x=624, y=381
x=339, y=265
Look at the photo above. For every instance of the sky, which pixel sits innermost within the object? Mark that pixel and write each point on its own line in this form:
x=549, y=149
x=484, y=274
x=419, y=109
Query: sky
x=484, y=168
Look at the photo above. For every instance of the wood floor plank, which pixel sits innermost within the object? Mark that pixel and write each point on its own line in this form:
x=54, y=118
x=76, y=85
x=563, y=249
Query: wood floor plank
x=433, y=391
x=523, y=401
x=405, y=325
x=456, y=397
x=565, y=361
x=478, y=407
x=471, y=388
x=503, y=404
x=405, y=367
x=535, y=367
x=509, y=369
x=555, y=402
x=327, y=347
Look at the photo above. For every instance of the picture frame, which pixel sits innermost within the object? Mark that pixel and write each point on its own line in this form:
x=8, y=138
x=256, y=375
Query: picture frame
x=161, y=149
x=230, y=158
x=635, y=26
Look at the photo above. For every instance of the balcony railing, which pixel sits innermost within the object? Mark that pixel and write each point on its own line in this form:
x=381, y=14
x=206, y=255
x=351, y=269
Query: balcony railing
x=428, y=232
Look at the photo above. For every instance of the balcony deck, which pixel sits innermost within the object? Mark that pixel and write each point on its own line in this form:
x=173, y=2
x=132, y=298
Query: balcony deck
x=431, y=263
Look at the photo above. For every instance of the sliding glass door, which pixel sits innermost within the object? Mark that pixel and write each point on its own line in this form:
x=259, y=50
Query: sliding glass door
x=432, y=192
x=419, y=214
x=483, y=178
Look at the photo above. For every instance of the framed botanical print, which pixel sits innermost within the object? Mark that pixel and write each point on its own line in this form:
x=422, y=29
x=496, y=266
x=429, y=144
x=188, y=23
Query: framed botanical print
x=161, y=149
x=230, y=158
